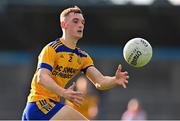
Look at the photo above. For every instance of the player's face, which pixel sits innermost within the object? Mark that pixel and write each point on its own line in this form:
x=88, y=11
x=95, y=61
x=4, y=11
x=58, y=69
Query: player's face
x=75, y=25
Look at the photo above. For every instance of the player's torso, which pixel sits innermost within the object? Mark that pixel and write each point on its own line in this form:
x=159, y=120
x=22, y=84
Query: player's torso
x=67, y=65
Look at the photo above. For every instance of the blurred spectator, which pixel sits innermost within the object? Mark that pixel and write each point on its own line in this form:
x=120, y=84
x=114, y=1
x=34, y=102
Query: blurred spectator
x=134, y=111
x=89, y=107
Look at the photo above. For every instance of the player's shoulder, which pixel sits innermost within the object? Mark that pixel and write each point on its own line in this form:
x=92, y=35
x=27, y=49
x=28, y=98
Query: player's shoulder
x=55, y=44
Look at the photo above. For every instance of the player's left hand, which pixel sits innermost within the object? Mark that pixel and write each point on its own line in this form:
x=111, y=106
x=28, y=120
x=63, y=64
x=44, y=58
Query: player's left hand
x=121, y=77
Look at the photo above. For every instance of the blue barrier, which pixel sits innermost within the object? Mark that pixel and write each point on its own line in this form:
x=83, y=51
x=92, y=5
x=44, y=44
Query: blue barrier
x=95, y=52
x=117, y=53
x=12, y=58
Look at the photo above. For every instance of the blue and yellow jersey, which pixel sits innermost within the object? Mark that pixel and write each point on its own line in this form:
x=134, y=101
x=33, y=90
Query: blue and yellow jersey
x=64, y=62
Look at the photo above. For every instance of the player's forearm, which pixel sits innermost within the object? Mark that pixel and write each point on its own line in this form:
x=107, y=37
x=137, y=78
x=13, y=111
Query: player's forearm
x=105, y=82
x=99, y=80
x=46, y=81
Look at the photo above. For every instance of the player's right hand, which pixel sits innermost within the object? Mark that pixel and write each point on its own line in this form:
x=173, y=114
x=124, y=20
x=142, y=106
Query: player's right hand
x=75, y=97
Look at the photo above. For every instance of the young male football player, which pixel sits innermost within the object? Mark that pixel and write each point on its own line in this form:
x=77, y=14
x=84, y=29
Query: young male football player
x=58, y=62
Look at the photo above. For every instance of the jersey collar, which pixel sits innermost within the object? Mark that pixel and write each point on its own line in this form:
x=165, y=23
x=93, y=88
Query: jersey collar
x=62, y=40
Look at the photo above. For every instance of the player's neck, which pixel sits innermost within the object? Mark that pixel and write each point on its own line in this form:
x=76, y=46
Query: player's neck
x=69, y=41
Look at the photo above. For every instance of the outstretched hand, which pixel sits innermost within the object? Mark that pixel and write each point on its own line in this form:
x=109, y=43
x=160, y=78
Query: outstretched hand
x=75, y=97
x=121, y=77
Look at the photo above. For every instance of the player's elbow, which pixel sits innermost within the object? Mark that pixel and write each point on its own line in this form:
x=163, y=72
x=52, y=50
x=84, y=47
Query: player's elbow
x=99, y=83
x=99, y=86
x=102, y=85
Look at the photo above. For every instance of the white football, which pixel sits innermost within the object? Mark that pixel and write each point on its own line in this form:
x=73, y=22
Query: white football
x=137, y=52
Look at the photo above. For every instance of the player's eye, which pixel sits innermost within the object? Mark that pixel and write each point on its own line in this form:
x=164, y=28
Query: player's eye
x=75, y=21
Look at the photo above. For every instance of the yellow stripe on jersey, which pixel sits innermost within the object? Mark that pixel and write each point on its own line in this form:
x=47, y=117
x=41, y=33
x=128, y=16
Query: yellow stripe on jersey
x=56, y=45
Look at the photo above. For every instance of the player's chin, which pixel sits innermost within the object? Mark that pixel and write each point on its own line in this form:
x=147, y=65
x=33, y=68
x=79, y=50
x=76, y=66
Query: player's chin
x=79, y=36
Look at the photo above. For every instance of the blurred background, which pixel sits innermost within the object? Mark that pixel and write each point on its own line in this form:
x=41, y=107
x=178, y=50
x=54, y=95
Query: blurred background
x=28, y=25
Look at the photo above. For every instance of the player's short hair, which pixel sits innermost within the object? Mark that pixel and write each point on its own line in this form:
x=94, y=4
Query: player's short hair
x=66, y=12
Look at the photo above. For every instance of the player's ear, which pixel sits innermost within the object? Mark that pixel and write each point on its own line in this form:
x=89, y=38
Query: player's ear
x=63, y=24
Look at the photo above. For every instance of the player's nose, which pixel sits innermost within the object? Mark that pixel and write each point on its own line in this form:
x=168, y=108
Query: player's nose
x=80, y=25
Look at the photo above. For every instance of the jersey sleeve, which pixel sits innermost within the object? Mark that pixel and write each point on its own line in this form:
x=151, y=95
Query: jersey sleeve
x=47, y=58
x=87, y=62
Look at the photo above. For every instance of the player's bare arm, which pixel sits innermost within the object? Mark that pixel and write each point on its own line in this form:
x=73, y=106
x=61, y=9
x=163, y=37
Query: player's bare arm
x=106, y=82
x=69, y=93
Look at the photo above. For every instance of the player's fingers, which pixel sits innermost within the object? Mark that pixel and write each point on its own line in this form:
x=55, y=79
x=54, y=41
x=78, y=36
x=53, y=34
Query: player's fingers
x=77, y=102
x=80, y=98
x=124, y=76
x=78, y=105
x=75, y=98
x=126, y=73
x=119, y=74
x=119, y=82
x=78, y=93
x=126, y=81
x=119, y=67
x=124, y=85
